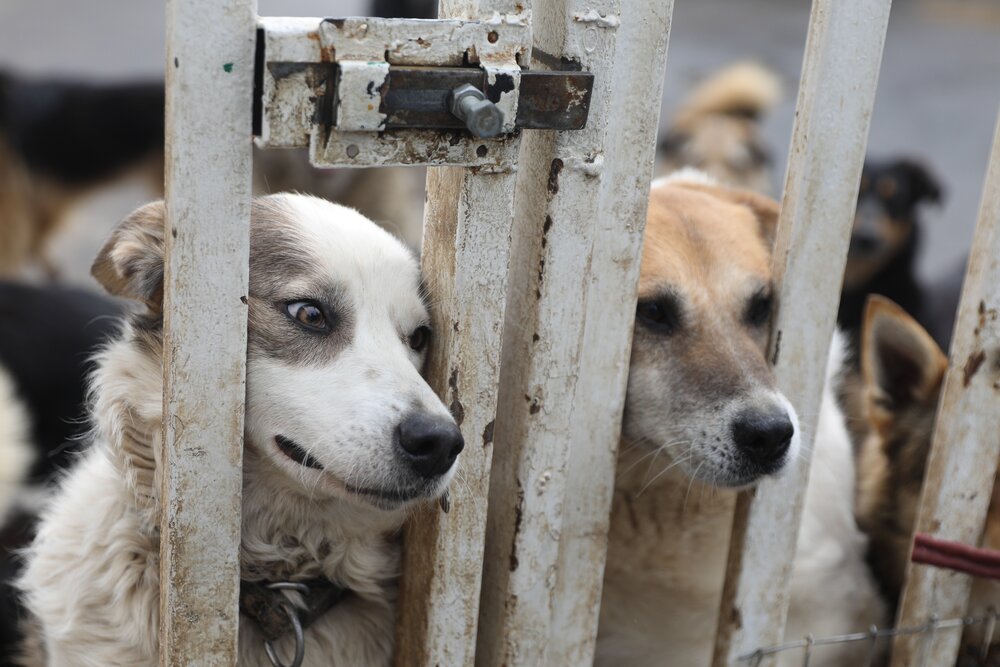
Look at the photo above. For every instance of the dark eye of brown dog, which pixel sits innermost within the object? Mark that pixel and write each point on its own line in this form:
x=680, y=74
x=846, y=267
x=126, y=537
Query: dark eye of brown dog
x=660, y=314
x=308, y=314
x=419, y=338
x=759, y=309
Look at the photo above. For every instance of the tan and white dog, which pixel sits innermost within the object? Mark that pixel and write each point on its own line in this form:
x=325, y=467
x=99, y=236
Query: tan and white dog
x=703, y=418
x=342, y=437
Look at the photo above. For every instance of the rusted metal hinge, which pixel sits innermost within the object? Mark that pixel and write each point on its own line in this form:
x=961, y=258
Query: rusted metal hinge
x=363, y=92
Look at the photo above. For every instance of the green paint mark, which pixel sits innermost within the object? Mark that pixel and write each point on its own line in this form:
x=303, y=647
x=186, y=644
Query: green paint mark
x=228, y=67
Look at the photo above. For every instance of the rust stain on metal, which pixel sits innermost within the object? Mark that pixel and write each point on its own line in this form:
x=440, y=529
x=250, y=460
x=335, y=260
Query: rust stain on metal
x=518, y=519
x=553, y=186
x=972, y=365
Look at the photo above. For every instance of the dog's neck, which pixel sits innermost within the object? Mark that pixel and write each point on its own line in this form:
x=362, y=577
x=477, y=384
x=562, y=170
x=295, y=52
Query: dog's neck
x=287, y=535
x=662, y=512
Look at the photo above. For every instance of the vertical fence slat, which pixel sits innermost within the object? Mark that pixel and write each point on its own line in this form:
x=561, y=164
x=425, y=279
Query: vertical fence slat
x=568, y=229
x=209, y=85
x=963, y=458
x=837, y=90
x=466, y=251
x=637, y=86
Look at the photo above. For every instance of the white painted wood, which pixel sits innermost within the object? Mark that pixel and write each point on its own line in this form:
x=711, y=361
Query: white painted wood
x=837, y=89
x=209, y=84
x=639, y=63
x=466, y=248
x=574, y=265
x=289, y=89
x=965, y=450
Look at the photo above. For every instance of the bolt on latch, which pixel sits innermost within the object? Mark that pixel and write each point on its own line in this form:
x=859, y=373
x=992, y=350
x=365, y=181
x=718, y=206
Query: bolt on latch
x=481, y=117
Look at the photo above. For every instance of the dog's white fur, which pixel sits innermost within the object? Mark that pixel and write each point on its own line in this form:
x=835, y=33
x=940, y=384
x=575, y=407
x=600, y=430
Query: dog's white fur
x=667, y=559
x=92, y=581
x=16, y=454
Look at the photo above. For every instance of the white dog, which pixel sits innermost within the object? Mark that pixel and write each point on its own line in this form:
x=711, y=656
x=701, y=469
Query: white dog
x=342, y=437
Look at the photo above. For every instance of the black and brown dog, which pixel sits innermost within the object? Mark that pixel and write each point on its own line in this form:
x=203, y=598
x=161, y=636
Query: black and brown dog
x=885, y=243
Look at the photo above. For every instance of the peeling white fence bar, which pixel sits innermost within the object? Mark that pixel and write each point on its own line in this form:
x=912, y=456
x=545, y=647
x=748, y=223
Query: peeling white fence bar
x=837, y=90
x=209, y=92
x=466, y=250
x=580, y=218
x=963, y=458
x=637, y=87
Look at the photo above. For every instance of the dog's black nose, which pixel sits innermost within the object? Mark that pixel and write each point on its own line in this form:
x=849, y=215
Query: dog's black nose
x=429, y=443
x=763, y=436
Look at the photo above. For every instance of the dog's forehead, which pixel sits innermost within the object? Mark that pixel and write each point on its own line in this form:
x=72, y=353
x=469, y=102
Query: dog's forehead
x=696, y=242
x=302, y=240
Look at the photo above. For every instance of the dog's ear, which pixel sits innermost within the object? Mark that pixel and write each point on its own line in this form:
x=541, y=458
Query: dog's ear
x=901, y=365
x=924, y=185
x=130, y=264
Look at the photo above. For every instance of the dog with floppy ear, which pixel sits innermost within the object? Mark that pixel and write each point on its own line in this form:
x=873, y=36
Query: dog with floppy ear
x=703, y=418
x=342, y=438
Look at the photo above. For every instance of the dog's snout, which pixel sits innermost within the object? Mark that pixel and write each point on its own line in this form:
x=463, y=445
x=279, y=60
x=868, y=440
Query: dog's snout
x=764, y=436
x=429, y=443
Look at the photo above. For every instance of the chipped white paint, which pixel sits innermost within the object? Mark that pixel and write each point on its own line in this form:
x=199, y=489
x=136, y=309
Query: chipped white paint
x=626, y=168
x=210, y=47
x=288, y=107
x=466, y=248
x=359, y=94
x=580, y=219
x=403, y=147
x=839, y=76
x=508, y=99
x=445, y=42
x=965, y=450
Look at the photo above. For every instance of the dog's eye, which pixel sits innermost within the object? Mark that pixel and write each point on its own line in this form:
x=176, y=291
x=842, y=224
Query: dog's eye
x=759, y=309
x=419, y=338
x=661, y=315
x=308, y=314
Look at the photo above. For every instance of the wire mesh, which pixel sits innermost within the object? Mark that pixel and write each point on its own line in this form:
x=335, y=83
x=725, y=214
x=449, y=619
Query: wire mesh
x=874, y=635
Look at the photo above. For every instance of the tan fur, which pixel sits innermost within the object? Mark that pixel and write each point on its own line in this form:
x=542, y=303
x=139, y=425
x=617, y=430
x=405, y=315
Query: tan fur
x=716, y=129
x=669, y=533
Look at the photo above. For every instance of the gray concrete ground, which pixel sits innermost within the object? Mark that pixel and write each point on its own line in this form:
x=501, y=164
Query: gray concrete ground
x=937, y=100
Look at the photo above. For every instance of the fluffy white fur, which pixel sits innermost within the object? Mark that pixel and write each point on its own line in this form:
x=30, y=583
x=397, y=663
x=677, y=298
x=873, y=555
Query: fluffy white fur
x=16, y=454
x=91, y=582
x=667, y=553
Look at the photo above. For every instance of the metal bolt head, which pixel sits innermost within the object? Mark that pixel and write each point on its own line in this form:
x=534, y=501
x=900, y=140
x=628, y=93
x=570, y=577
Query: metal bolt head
x=482, y=118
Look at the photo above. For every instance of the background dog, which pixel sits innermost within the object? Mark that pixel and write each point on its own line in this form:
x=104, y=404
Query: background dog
x=903, y=370
x=885, y=243
x=703, y=418
x=717, y=129
x=61, y=140
x=47, y=338
x=342, y=437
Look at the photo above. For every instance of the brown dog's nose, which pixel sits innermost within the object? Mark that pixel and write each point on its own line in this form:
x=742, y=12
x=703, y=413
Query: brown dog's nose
x=763, y=436
x=429, y=443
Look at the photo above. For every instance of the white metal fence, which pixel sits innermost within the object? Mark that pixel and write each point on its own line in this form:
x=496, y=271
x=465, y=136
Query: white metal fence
x=516, y=227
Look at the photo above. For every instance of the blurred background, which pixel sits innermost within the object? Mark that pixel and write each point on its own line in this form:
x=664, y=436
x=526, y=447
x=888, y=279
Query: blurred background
x=937, y=98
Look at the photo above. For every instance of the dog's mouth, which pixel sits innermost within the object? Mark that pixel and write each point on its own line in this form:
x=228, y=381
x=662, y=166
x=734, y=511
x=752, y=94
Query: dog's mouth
x=393, y=497
x=385, y=498
x=296, y=453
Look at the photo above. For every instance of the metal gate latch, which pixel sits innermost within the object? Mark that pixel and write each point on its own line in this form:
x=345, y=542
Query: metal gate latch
x=373, y=92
